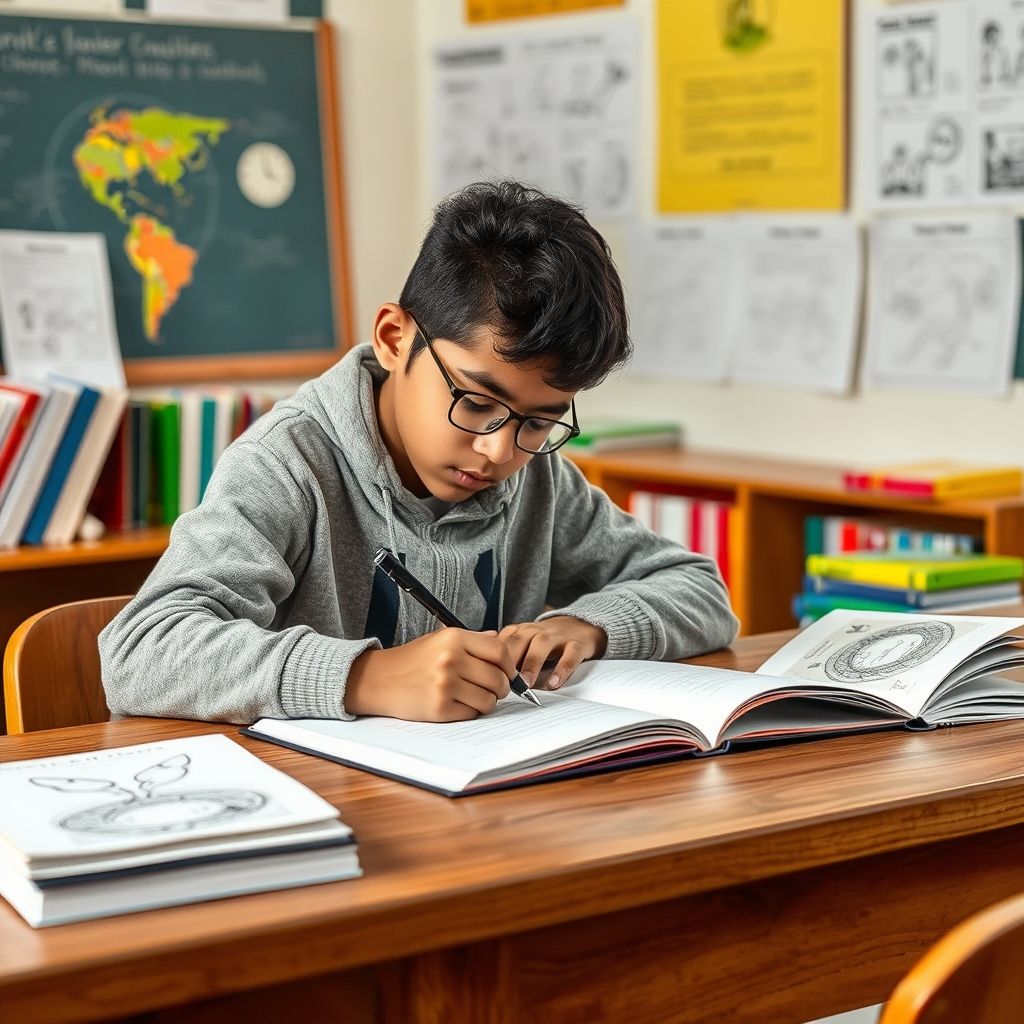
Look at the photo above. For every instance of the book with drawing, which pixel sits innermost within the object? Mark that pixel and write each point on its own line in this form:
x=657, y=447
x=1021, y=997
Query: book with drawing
x=131, y=828
x=848, y=671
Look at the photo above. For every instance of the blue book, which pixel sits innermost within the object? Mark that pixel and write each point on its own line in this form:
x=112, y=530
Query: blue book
x=50, y=492
x=911, y=599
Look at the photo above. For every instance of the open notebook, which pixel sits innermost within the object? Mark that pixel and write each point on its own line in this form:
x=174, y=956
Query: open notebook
x=847, y=671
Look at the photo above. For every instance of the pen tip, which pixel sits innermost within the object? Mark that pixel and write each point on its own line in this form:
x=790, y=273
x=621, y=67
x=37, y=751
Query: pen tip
x=533, y=698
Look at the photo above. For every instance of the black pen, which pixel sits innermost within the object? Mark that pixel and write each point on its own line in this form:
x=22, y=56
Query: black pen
x=401, y=577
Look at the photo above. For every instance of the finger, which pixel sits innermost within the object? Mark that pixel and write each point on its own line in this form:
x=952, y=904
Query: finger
x=541, y=647
x=491, y=649
x=480, y=699
x=571, y=659
x=484, y=674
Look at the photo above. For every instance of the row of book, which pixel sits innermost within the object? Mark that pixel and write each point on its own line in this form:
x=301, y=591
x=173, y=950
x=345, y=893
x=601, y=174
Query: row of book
x=836, y=535
x=165, y=449
x=699, y=524
x=132, y=460
x=871, y=581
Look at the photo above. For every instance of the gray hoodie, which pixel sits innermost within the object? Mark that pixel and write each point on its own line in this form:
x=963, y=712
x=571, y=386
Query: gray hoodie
x=267, y=593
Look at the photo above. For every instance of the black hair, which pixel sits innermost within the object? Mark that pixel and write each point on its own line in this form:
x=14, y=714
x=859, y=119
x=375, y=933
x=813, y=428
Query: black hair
x=531, y=268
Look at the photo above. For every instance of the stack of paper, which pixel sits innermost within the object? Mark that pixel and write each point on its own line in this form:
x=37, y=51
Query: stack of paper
x=132, y=828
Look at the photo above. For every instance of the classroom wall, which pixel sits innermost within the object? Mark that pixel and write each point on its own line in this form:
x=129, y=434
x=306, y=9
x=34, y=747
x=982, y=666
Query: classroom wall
x=875, y=426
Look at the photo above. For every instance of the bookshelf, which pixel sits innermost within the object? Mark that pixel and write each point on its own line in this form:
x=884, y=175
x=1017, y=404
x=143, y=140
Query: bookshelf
x=771, y=499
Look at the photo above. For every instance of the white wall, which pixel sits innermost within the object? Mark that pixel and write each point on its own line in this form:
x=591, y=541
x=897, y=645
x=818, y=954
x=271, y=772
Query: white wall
x=876, y=426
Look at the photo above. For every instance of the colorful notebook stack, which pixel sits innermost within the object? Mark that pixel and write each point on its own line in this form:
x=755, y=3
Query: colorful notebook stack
x=868, y=581
x=938, y=480
x=66, y=448
x=699, y=524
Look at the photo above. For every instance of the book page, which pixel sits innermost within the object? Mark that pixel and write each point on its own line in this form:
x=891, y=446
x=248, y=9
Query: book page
x=706, y=698
x=137, y=797
x=898, y=657
x=451, y=755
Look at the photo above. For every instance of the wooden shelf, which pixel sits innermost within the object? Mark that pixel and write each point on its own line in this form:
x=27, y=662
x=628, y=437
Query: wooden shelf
x=771, y=498
x=123, y=546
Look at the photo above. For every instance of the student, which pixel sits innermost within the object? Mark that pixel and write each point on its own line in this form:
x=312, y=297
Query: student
x=437, y=440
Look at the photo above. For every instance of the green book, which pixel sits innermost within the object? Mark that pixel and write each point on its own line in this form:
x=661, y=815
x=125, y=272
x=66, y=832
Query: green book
x=608, y=435
x=921, y=573
x=206, y=451
x=165, y=437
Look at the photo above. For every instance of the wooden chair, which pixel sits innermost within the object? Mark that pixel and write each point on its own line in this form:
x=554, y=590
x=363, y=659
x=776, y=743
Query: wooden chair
x=52, y=667
x=972, y=974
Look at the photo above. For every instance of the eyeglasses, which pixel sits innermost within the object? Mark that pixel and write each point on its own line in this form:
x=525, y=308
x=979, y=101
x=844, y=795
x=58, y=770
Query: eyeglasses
x=480, y=414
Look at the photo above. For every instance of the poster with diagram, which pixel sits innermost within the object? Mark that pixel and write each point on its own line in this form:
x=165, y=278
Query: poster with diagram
x=556, y=109
x=942, y=100
x=944, y=301
x=800, y=288
x=916, y=104
x=682, y=296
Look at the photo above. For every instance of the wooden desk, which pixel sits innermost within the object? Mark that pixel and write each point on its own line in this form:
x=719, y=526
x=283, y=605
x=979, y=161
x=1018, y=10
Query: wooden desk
x=776, y=886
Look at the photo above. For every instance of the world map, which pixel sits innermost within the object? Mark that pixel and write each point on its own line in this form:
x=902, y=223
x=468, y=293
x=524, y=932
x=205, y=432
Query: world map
x=121, y=152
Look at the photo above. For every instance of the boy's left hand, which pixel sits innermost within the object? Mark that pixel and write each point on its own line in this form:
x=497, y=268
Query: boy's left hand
x=564, y=642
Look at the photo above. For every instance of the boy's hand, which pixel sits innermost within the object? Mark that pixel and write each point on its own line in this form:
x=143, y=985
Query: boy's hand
x=562, y=640
x=451, y=675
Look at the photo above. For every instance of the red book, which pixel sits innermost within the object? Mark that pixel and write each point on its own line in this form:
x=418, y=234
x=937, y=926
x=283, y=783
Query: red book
x=13, y=444
x=848, y=536
x=723, y=541
x=110, y=501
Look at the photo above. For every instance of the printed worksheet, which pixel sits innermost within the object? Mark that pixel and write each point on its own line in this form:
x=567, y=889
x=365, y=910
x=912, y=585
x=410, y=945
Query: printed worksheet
x=999, y=84
x=556, y=108
x=915, y=96
x=800, y=291
x=944, y=300
x=57, y=307
x=682, y=295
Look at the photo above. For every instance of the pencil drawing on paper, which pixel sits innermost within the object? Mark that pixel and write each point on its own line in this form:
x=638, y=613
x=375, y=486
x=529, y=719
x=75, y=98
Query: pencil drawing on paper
x=938, y=298
x=879, y=654
x=150, y=808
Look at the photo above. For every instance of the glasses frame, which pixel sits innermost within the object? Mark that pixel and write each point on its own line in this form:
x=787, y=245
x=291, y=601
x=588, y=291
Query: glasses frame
x=520, y=420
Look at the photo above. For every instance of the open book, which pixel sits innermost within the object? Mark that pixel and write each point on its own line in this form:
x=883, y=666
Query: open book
x=847, y=671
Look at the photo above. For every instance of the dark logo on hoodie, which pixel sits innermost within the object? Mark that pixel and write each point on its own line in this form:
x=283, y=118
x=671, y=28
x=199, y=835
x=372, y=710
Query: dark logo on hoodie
x=382, y=616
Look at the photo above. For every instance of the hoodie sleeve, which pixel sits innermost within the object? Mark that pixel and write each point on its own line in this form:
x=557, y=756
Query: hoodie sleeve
x=655, y=599
x=196, y=641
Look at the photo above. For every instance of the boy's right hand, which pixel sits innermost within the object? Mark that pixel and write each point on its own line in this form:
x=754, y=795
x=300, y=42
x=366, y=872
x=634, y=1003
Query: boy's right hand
x=451, y=675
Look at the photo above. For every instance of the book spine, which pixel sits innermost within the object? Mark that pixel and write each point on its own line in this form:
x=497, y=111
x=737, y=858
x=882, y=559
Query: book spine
x=61, y=466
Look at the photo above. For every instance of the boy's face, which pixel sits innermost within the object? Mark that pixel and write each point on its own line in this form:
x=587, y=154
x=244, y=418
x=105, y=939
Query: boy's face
x=432, y=455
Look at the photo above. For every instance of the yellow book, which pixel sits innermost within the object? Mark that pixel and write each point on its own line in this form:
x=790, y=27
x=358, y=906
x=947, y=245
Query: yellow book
x=917, y=573
x=752, y=105
x=940, y=480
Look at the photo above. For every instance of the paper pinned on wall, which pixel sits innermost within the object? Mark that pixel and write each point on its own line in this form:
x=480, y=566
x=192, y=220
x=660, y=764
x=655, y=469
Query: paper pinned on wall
x=800, y=292
x=57, y=308
x=251, y=11
x=751, y=105
x=557, y=109
x=682, y=295
x=944, y=303
x=915, y=104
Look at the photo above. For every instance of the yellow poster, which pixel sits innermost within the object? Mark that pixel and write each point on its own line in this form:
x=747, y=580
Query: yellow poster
x=752, y=105
x=499, y=10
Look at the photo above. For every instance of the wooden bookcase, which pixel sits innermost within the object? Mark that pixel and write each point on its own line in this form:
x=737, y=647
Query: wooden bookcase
x=771, y=498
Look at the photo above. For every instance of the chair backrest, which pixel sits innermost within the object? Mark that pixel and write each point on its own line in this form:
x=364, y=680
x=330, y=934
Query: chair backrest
x=971, y=974
x=52, y=667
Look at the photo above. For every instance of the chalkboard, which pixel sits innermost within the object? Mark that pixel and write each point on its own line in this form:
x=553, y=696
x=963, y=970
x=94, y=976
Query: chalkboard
x=208, y=156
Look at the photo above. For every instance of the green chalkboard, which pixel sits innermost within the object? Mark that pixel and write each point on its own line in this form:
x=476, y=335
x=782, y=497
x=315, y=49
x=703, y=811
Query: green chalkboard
x=207, y=157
